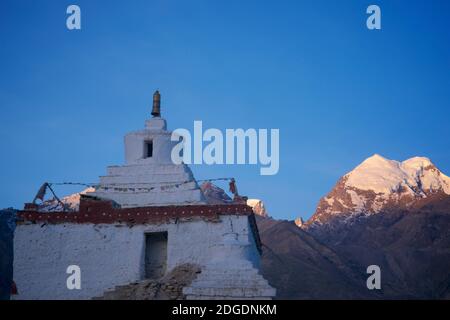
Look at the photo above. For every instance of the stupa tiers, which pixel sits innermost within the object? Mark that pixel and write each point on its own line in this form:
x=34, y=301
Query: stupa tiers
x=144, y=219
x=149, y=176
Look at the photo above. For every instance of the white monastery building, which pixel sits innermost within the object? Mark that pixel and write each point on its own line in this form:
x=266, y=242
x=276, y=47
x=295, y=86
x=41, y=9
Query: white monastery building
x=143, y=219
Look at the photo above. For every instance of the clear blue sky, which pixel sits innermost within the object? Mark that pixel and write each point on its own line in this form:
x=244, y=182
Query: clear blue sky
x=337, y=91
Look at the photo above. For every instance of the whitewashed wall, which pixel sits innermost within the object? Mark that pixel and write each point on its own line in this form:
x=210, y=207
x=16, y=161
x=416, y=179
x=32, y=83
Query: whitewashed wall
x=111, y=255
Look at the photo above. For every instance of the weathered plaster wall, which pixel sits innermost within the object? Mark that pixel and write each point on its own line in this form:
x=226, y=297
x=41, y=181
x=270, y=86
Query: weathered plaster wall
x=111, y=255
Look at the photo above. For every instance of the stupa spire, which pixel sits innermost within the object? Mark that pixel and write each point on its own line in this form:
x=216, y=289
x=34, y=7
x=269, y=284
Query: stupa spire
x=156, y=111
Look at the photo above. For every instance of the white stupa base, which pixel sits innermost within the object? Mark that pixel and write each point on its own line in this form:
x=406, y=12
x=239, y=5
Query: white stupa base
x=230, y=275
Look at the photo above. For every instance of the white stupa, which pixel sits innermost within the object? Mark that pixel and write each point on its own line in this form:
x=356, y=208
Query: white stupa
x=168, y=223
x=149, y=177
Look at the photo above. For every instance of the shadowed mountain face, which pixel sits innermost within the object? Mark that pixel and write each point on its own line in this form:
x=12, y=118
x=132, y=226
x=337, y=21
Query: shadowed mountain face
x=302, y=268
x=412, y=248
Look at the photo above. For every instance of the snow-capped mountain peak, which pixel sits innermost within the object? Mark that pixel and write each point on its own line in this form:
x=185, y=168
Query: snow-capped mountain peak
x=70, y=202
x=381, y=175
x=379, y=184
x=213, y=194
x=258, y=207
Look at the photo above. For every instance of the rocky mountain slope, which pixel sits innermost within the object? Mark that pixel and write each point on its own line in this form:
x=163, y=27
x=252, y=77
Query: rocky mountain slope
x=412, y=248
x=213, y=194
x=300, y=267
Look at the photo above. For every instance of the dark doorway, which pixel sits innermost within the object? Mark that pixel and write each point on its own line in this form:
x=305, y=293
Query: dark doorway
x=155, y=254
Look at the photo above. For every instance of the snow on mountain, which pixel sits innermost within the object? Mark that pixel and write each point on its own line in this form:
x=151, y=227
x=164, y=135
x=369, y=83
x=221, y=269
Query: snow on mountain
x=299, y=222
x=258, y=207
x=417, y=175
x=379, y=184
x=71, y=202
x=214, y=194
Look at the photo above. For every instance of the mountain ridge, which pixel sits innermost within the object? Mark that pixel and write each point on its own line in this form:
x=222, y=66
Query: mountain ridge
x=379, y=185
